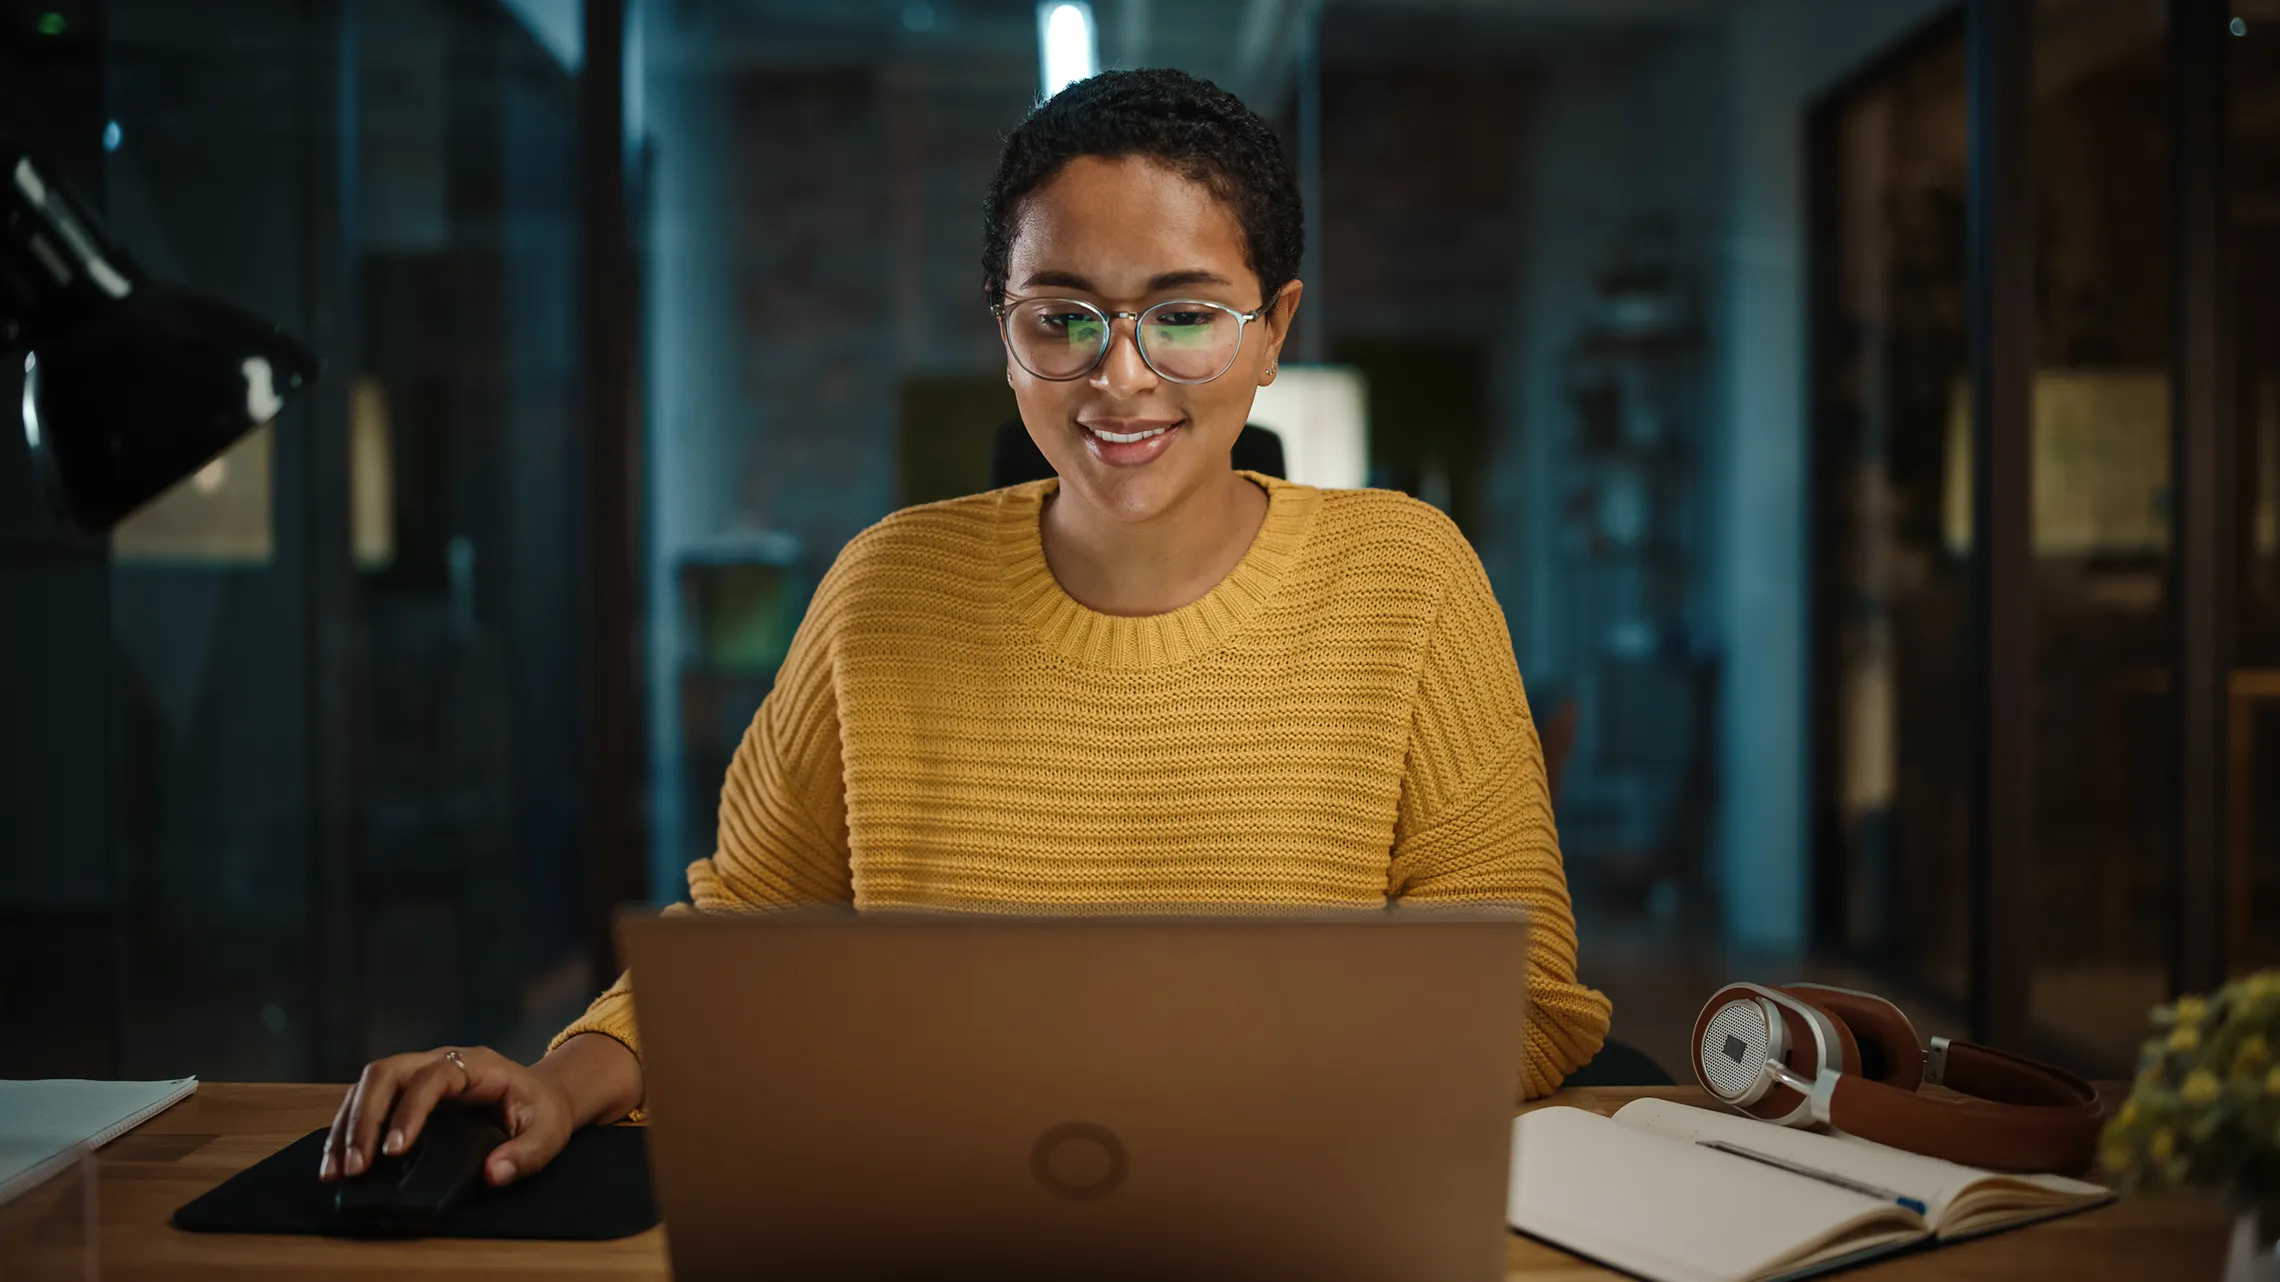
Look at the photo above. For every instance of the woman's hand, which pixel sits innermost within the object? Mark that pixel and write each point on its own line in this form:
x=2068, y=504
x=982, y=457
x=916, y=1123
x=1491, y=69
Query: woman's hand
x=539, y=1106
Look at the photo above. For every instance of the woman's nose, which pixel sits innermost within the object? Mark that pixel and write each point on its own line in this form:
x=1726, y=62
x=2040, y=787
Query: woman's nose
x=1121, y=369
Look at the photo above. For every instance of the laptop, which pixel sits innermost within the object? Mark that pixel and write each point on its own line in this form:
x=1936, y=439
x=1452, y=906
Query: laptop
x=1020, y=1097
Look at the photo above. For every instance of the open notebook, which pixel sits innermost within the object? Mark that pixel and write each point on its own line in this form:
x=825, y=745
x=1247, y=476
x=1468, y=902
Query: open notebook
x=43, y=1124
x=1643, y=1191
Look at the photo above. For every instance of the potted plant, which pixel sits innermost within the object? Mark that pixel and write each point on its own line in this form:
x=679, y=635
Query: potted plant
x=2205, y=1113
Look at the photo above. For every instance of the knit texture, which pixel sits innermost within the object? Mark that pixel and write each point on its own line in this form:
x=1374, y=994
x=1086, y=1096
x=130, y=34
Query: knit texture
x=1339, y=722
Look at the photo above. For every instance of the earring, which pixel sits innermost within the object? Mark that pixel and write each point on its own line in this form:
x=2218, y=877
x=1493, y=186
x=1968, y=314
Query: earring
x=1272, y=366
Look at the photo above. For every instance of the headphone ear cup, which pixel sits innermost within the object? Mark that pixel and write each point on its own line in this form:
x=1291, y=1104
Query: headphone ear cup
x=1888, y=1047
x=1731, y=1042
x=1848, y=1047
x=1699, y=1050
x=1738, y=1032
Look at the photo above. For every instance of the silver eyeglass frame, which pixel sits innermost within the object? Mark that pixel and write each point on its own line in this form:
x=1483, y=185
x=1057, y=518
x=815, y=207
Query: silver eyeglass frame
x=1108, y=321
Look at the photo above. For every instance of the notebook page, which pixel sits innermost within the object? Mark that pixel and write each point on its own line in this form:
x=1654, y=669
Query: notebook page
x=1935, y=1183
x=1672, y=1211
x=42, y=1121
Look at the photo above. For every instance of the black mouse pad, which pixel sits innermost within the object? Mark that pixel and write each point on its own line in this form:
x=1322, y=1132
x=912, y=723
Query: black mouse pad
x=596, y=1188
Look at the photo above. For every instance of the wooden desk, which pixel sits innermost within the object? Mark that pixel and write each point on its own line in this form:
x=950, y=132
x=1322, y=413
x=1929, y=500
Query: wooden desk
x=224, y=1128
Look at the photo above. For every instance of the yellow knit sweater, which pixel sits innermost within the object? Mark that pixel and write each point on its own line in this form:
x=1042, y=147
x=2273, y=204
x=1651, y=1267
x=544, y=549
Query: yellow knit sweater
x=1338, y=722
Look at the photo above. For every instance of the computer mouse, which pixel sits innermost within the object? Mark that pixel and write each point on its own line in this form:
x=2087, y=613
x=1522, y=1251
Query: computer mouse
x=409, y=1195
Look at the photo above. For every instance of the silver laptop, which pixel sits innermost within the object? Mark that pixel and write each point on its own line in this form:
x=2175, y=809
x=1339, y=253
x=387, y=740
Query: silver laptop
x=927, y=1097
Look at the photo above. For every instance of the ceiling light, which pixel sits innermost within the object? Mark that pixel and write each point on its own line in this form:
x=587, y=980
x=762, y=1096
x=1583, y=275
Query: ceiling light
x=1067, y=44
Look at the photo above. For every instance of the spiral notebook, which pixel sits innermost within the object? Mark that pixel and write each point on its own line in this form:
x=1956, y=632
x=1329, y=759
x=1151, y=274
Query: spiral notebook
x=44, y=1123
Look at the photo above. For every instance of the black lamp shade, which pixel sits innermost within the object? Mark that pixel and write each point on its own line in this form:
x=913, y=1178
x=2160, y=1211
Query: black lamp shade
x=142, y=393
x=129, y=385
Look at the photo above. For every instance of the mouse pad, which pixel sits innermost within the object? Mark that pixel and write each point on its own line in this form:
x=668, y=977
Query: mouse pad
x=598, y=1187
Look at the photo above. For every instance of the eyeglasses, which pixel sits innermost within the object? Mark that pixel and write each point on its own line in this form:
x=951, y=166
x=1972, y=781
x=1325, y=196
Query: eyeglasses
x=1185, y=340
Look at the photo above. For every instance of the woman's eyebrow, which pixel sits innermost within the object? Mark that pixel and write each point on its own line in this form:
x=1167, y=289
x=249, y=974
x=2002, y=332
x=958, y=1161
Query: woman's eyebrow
x=1192, y=276
x=1162, y=281
x=1063, y=280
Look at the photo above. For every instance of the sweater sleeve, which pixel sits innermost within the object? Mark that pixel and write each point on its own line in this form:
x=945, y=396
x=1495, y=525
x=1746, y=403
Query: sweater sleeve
x=782, y=840
x=1474, y=824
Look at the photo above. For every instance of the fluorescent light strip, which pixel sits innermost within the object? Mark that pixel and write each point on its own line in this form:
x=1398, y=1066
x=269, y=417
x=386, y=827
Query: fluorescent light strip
x=1068, y=44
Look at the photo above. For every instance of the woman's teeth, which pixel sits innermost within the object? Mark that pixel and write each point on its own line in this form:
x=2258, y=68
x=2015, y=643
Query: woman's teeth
x=1122, y=439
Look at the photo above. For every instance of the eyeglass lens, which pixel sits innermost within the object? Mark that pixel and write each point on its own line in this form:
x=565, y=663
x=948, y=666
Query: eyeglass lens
x=1060, y=339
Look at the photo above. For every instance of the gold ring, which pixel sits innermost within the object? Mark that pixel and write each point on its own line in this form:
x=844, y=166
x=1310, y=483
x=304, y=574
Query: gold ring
x=451, y=1057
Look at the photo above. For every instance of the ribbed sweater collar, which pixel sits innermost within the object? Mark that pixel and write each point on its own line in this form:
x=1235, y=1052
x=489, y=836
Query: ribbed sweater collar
x=1088, y=637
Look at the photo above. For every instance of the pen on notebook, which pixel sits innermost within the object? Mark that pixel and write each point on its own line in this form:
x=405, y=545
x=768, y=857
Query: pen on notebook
x=1826, y=1177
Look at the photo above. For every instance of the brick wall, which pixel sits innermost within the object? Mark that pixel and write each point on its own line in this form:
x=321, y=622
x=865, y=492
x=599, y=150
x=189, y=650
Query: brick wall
x=1421, y=193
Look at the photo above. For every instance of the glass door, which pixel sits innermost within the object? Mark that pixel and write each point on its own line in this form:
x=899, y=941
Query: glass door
x=1895, y=638
x=345, y=749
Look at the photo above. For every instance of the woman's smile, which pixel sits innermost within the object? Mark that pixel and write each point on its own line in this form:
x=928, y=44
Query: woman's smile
x=1127, y=442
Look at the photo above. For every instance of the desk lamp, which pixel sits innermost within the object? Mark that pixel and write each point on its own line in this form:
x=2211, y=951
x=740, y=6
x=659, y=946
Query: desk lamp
x=129, y=385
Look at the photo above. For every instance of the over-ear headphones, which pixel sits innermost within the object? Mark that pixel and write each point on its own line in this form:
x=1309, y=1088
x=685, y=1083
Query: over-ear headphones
x=1810, y=1055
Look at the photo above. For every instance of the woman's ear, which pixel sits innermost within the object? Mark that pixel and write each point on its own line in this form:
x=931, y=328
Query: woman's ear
x=1277, y=323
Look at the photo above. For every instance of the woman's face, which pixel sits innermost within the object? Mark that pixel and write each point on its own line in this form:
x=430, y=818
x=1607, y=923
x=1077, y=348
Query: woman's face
x=1123, y=234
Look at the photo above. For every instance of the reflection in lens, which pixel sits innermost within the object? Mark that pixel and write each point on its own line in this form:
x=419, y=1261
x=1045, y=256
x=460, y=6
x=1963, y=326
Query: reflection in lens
x=1188, y=340
x=1054, y=337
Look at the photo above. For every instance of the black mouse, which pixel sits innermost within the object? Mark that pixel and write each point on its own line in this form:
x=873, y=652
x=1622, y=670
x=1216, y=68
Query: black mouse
x=409, y=1195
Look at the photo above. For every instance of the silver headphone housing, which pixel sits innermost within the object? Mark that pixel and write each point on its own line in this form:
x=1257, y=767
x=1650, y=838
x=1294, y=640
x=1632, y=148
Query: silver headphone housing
x=1755, y=1024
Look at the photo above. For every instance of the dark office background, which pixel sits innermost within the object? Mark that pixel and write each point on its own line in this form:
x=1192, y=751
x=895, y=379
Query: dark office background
x=633, y=313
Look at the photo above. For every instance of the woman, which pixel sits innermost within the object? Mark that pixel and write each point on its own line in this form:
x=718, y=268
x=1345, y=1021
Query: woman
x=1154, y=680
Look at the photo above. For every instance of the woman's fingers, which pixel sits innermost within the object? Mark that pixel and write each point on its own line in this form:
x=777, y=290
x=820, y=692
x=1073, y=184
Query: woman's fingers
x=438, y=1079
x=537, y=1116
x=368, y=1105
x=336, y=1139
x=533, y=1146
x=489, y=1074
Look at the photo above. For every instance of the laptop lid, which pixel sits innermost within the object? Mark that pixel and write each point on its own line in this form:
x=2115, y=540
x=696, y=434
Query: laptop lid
x=941, y=1096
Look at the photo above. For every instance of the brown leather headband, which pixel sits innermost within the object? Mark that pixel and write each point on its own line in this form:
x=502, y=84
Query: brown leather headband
x=2013, y=1115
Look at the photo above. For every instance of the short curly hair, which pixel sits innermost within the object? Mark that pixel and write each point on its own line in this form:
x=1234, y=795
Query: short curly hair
x=1193, y=126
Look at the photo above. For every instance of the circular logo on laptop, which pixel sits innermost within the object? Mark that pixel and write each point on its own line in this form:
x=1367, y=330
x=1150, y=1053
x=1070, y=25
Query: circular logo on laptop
x=1080, y=1161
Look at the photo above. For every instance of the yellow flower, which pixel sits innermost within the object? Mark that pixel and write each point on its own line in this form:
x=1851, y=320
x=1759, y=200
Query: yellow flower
x=2192, y=1010
x=2162, y=1146
x=2272, y=1081
x=2129, y=1113
x=2115, y=1157
x=2185, y=1039
x=2252, y=1055
x=2200, y=1087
